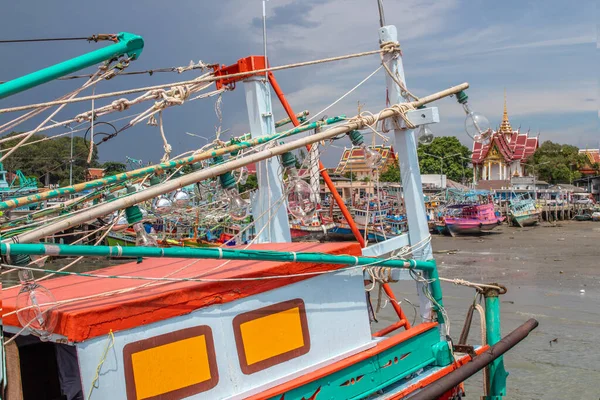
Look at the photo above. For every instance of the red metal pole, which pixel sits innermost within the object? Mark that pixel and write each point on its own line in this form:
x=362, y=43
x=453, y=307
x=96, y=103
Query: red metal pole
x=388, y=290
x=324, y=174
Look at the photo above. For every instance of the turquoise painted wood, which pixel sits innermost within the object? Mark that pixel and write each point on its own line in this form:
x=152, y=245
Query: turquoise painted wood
x=497, y=373
x=128, y=43
x=375, y=373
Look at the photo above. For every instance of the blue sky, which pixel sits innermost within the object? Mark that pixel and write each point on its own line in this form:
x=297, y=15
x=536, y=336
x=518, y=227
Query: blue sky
x=542, y=52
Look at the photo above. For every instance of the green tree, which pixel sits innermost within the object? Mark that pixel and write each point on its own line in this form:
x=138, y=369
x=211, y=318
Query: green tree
x=456, y=158
x=350, y=175
x=51, y=158
x=556, y=163
x=113, y=168
x=391, y=174
x=251, y=184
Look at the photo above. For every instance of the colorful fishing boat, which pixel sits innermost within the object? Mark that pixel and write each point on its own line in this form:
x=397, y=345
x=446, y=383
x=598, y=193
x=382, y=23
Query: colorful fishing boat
x=471, y=219
x=523, y=211
x=268, y=320
x=319, y=225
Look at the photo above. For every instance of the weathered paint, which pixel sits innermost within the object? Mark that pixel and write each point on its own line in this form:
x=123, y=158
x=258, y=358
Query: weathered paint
x=128, y=43
x=270, y=215
x=79, y=321
x=360, y=376
x=338, y=325
x=409, y=167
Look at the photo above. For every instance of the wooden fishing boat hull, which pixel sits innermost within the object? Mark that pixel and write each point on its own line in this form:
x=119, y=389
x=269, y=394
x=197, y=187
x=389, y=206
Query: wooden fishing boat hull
x=583, y=217
x=120, y=240
x=299, y=231
x=526, y=219
x=371, y=236
x=471, y=227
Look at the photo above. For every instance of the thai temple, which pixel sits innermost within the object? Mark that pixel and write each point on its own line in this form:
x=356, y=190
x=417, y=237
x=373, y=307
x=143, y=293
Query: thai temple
x=592, y=161
x=353, y=160
x=504, y=155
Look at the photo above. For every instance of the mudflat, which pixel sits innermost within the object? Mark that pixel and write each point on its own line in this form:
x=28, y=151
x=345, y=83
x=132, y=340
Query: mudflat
x=552, y=272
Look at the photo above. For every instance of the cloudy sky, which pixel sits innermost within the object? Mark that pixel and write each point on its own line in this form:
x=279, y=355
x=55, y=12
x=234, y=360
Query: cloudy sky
x=541, y=52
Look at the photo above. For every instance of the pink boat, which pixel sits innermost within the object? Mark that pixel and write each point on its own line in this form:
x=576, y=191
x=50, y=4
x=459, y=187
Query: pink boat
x=472, y=219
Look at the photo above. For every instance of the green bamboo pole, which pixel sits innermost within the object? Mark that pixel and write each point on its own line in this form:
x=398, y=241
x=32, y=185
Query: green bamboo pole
x=214, y=253
x=138, y=173
x=301, y=117
x=127, y=43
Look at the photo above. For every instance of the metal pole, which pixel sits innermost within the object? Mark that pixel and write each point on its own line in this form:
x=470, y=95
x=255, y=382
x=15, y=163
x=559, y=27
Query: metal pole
x=381, y=13
x=412, y=185
x=264, y=10
x=128, y=43
x=71, y=161
x=324, y=173
x=437, y=389
x=496, y=373
x=208, y=253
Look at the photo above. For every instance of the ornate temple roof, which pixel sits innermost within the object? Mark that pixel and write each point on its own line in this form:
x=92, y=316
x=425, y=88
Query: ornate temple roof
x=512, y=145
x=505, y=126
x=593, y=155
x=353, y=159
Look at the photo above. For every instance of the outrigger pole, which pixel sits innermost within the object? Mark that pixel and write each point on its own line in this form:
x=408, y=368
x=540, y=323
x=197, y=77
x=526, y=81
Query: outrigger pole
x=141, y=172
x=65, y=250
x=355, y=123
x=125, y=44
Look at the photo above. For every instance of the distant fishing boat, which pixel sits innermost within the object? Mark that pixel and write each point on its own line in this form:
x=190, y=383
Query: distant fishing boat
x=377, y=217
x=318, y=224
x=471, y=219
x=272, y=320
x=523, y=211
x=120, y=239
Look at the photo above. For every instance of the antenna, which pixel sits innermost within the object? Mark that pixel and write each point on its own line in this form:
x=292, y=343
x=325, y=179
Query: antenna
x=264, y=14
x=381, y=13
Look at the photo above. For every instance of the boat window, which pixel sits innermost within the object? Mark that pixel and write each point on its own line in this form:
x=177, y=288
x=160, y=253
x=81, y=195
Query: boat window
x=174, y=365
x=271, y=335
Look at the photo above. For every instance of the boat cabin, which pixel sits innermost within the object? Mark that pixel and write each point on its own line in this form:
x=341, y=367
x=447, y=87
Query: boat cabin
x=228, y=337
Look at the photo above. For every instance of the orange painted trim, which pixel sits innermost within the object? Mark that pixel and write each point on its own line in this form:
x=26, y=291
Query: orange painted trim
x=85, y=319
x=391, y=328
x=146, y=344
x=438, y=375
x=380, y=347
x=240, y=319
x=322, y=170
x=388, y=291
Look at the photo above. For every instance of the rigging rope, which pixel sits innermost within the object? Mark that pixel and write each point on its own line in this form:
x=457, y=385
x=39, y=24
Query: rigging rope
x=385, y=49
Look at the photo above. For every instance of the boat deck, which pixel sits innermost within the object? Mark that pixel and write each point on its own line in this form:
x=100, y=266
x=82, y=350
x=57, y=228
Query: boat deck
x=125, y=306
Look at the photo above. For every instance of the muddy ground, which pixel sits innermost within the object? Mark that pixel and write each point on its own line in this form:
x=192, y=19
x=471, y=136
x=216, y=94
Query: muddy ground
x=552, y=273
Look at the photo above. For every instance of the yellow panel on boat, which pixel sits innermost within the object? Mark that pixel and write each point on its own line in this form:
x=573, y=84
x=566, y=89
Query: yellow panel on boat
x=174, y=365
x=271, y=335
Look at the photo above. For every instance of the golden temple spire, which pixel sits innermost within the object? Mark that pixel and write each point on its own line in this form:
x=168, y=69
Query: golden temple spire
x=505, y=126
